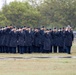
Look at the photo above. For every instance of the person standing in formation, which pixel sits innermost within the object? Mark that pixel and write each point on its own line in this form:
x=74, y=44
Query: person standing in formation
x=38, y=40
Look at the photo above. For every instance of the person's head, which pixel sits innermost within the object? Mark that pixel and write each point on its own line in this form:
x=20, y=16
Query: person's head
x=50, y=30
x=68, y=28
x=42, y=28
x=28, y=28
x=63, y=29
x=60, y=29
x=55, y=29
x=11, y=26
x=24, y=28
x=14, y=29
x=36, y=30
x=20, y=29
x=47, y=31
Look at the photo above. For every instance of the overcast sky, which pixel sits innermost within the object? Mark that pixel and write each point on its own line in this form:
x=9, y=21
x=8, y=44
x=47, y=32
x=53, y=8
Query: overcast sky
x=8, y=1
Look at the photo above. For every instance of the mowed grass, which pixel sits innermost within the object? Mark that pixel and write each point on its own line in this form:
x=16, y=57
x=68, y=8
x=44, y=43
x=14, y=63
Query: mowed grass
x=38, y=67
x=42, y=66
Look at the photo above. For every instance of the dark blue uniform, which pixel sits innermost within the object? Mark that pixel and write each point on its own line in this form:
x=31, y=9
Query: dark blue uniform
x=41, y=39
x=37, y=42
x=13, y=41
x=68, y=41
x=20, y=41
x=51, y=40
x=28, y=41
x=55, y=41
x=47, y=43
x=6, y=40
x=61, y=41
x=0, y=41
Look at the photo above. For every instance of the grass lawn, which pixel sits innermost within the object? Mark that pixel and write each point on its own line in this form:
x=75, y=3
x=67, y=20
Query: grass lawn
x=45, y=66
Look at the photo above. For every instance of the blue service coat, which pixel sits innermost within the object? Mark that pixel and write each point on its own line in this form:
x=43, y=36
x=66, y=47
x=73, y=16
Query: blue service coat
x=37, y=39
x=6, y=37
x=47, y=42
x=20, y=38
x=28, y=38
x=55, y=38
x=13, y=39
x=60, y=39
x=68, y=38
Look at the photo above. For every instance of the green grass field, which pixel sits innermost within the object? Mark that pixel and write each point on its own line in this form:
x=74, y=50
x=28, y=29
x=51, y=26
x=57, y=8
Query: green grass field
x=45, y=66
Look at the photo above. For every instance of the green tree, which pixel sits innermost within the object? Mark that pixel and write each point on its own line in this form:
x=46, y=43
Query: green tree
x=59, y=12
x=20, y=14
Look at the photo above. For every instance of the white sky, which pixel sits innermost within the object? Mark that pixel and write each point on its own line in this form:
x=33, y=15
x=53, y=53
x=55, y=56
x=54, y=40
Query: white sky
x=8, y=1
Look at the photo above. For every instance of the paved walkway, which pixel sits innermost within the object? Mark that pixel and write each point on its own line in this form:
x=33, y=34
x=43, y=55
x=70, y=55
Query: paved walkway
x=15, y=58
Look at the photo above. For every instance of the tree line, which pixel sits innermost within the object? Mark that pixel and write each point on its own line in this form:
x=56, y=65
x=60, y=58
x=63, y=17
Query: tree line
x=48, y=13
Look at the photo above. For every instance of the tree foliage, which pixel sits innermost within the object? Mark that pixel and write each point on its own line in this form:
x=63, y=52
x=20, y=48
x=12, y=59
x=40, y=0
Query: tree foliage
x=59, y=12
x=51, y=13
x=19, y=14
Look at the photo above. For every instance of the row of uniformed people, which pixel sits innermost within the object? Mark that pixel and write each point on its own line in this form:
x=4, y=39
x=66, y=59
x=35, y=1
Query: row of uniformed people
x=25, y=40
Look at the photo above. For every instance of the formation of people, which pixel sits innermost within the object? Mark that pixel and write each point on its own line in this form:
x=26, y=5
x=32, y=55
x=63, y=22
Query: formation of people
x=37, y=40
